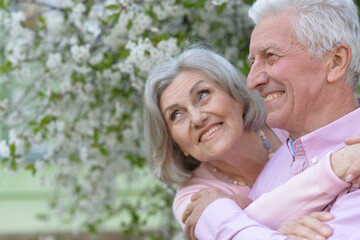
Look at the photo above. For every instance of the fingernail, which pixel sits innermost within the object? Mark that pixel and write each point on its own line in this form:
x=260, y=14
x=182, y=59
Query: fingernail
x=356, y=185
x=327, y=215
x=325, y=230
x=349, y=178
x=319, y=237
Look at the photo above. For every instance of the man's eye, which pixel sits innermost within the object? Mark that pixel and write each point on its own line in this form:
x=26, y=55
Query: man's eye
x=271, y=58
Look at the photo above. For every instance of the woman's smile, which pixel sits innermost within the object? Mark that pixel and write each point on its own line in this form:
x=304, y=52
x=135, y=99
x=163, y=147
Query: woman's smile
x=207, y=133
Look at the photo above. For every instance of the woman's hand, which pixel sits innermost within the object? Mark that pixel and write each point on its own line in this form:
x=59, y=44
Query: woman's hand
x=311, y=227
x=200, y=201
x=346, y=163
x=353, y=140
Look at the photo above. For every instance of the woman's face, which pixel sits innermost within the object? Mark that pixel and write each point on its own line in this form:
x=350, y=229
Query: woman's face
x=204, y=121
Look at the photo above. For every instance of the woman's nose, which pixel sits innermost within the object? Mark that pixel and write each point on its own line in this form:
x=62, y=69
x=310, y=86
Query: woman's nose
x=198, y=117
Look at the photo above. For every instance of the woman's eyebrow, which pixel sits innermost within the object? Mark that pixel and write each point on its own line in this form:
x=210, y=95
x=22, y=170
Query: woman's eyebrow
x=195, y=85
x=170, y=107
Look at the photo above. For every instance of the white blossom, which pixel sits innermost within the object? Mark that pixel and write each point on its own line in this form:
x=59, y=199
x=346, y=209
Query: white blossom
x=54, y=60
x=76, y=83
x=219, y=2
x=4, y=149
x=80, y=53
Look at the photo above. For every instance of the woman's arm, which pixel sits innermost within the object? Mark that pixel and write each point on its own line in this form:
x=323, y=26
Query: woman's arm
x=195, y=184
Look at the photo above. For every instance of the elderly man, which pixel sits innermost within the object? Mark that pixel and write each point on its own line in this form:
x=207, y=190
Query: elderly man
x=305, y=64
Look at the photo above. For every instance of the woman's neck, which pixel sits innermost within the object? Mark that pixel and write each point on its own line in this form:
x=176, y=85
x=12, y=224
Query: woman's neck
x=251, y=157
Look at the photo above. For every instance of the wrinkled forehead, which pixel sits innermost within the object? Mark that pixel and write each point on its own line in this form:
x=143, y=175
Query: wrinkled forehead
x=275, y=30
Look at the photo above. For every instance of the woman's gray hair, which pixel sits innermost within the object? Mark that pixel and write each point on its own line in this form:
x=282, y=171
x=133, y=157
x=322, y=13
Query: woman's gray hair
x=319, y=25
x=166, y=160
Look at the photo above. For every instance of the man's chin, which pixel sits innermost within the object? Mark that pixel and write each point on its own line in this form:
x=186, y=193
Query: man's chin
x=275, y=120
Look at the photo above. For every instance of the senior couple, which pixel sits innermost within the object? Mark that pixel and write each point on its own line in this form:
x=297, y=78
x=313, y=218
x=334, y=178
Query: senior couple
x=244, y=173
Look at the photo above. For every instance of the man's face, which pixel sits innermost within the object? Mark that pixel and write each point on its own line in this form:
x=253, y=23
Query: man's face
x=285, y=75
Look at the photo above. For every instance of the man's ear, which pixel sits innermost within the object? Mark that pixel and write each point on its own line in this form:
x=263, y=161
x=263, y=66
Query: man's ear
x=340, y=61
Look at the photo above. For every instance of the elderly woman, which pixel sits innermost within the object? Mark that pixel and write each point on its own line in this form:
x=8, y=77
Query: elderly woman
x=204, y=128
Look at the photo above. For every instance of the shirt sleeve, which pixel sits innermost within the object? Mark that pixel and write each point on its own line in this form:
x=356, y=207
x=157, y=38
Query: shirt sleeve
x=223, y=219
x=183, y=198
x=232, y=223
x=346, y=213
x=303, y=194
x=192, y=186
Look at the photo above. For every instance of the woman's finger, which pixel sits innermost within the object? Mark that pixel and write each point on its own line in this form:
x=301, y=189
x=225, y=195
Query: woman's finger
x=353, y=140
x=353, y=172
x=323, y=216
x=187, y=212
x=308, y=227
x=314, y=224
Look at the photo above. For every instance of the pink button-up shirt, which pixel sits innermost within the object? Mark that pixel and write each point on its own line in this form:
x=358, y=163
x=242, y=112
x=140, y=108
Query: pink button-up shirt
x=223, y=219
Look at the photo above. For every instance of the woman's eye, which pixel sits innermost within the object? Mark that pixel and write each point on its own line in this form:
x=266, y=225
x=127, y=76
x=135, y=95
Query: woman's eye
x=203, y=93
x=174, y=115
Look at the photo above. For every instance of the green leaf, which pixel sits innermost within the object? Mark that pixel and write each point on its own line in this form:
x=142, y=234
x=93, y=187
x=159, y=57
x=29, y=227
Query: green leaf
x=221, y=8
x=104, y=151
x=114, y=18
x=112, y=6
x=91, y=228
x=46, y=120
x=31, y=167
x=32, y=123
x=4, y=4
x=12, y=149
x=36, y=130
x=13, y=165
x=6, y=67
x=42, y=216
x=41, y=23
x=96, y=136
x=4, y=160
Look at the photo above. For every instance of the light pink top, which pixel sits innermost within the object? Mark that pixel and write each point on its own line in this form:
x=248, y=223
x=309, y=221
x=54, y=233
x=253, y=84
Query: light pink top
x=223, y=219
x=299, y=202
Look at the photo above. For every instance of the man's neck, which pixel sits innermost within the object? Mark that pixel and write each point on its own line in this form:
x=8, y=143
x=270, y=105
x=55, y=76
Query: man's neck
x=330, y=114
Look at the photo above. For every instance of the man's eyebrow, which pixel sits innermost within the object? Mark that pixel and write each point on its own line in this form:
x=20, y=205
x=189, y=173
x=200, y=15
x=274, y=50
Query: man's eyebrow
x=263, y=49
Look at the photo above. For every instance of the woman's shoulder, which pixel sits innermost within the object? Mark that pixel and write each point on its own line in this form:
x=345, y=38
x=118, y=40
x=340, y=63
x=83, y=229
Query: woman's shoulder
x=203, y=177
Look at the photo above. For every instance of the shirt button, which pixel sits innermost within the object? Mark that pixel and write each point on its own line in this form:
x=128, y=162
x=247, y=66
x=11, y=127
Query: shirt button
x=314, y=160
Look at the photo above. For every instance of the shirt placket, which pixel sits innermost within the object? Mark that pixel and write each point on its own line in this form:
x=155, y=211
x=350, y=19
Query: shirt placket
x=300, y=161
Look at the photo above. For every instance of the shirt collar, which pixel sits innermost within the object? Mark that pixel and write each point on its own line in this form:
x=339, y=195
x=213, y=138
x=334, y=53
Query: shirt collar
x=326, y=139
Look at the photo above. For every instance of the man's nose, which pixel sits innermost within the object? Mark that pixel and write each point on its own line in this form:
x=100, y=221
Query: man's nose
x=198, y=117
x=257, y=76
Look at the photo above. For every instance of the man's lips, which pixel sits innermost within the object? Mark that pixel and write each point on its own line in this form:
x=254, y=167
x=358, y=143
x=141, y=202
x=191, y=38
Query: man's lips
x=207, y=132
x=273, y=96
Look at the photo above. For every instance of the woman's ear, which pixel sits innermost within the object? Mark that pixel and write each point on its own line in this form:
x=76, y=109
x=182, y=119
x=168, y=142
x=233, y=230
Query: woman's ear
x=184, y=152
x=180, y=148
x=340, y=61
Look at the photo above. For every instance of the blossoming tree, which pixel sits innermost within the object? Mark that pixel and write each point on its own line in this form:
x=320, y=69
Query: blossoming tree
x=72, y=78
